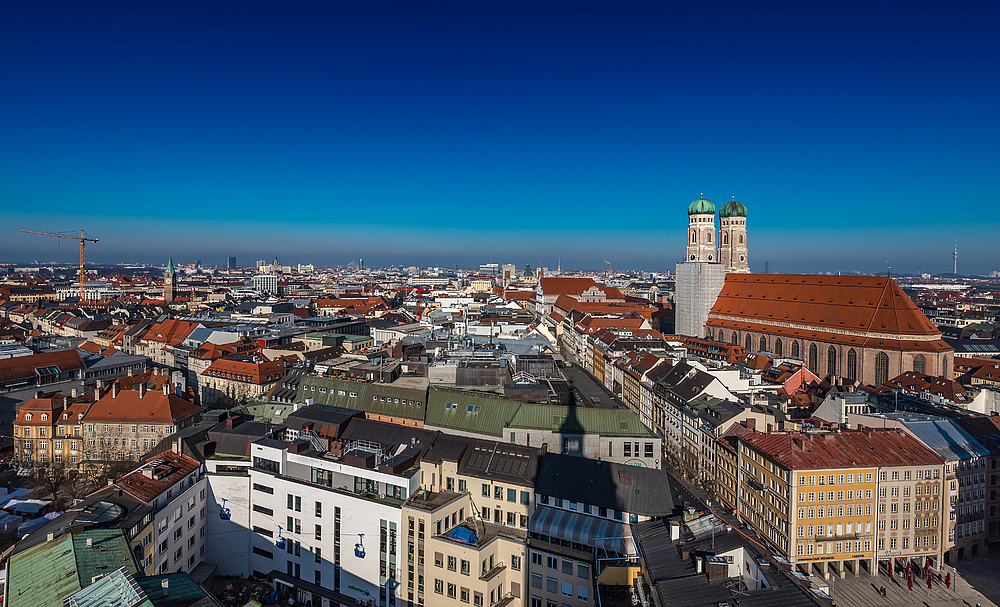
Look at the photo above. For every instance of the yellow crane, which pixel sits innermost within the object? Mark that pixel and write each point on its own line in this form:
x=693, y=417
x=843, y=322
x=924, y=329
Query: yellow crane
x=83, y=240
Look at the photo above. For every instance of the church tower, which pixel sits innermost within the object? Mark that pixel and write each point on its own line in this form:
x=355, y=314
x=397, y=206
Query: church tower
x=701, y=231
x=733, y=237
x=169, y=281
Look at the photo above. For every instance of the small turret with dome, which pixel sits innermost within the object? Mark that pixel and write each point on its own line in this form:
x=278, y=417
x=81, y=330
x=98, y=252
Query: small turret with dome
x=733, y=209
x=702, y=206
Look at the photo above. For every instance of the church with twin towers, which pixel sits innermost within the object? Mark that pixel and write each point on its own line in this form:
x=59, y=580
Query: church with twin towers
x=711, y=254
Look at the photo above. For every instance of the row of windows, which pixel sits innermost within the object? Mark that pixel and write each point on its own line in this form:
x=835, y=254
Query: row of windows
x=601, y=511
x=835, y=479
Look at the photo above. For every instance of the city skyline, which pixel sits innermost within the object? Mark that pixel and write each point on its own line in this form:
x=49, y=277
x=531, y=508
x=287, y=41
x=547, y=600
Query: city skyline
x=465, y=134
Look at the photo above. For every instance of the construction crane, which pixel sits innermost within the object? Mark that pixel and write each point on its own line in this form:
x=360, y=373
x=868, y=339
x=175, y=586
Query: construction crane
x=83, y=240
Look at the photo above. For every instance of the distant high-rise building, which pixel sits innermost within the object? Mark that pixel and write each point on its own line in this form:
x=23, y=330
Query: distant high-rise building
x=767, y=267
x=232, y=263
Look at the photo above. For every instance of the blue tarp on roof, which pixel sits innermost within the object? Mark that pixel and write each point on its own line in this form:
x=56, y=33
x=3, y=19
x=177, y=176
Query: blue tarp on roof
x=463, y=535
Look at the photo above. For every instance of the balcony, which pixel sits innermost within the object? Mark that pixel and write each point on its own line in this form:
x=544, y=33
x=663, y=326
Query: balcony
x=492, y=573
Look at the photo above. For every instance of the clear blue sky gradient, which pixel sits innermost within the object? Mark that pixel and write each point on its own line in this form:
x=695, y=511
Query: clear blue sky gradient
x=441, y=133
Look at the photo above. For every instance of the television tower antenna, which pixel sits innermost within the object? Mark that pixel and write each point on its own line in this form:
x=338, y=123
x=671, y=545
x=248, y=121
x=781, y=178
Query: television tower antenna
x=956, y=257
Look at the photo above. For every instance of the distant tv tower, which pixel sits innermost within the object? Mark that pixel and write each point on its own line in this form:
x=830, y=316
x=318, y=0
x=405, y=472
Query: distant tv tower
x=956, y=257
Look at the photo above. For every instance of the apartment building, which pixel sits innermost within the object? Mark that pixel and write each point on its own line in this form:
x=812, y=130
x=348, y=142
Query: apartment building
x=965, y=470
x=582, y=522
x=815, y=497
x=176, y=489
x=327, y=525
x=48, y=430
x=128, y=421
x=456, y=557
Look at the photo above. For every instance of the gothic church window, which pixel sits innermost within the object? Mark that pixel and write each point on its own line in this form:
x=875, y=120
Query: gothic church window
x=831, y=361
x=725, y=238
x=881, y=368
x=749, y=343
x=763, y=344
x=919, y=364
x=795, y=349
x=852, y=364
x=736, y=338
x=812, y=358
x=778, y=347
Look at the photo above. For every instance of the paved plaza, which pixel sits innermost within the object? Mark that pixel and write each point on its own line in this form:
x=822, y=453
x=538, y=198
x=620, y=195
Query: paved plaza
x=863, y=591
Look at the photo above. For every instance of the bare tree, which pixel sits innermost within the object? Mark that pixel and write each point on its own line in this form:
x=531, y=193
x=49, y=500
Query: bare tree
x=53, y=476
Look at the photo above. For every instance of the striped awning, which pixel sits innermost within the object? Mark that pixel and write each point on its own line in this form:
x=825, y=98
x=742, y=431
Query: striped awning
x=574, y=526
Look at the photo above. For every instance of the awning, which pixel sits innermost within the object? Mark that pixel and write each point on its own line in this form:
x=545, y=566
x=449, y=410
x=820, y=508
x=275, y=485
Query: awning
x=573, y=526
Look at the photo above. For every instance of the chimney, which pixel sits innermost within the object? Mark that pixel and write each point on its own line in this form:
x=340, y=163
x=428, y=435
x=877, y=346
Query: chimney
x=142, y=389
x=131, y=371
x=799, y=443
x=233, y=421
x=74, y=393
x=751, y=424
x=50, y=537
x=90, y=542
x=115, y=389
x=165, y=585
x=38, y=394
x=166, y=388
x=545, y=448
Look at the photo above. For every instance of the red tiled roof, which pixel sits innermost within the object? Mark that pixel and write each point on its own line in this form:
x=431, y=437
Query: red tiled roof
x=836, y=309
x=170, y=331
x=21, y=367
x=164, y=471
x=154, y=407
x=566, y=286
x=247, y=371
x=843, y=449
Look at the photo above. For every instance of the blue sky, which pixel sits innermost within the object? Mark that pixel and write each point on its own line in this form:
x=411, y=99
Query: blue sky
x=441, y=133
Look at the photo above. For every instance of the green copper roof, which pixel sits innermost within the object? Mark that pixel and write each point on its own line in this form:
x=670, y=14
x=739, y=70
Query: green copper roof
x=702, y=206
x=733, y=209
x=170, y=265
x=46, y=573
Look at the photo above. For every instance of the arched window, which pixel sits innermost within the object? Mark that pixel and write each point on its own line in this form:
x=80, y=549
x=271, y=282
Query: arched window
x=748, y=343
x=919, y=364
x=694, y=237
x=831, y=361
x=709, y=237
x=708, y=334
x=725, y=238
x=736, y=338
x=881, y=368
x=795, y=349
x=852, y=364
x=777, y=348
x=722, y=337
x=763, y=344
x=812, y=358
x=741, y=238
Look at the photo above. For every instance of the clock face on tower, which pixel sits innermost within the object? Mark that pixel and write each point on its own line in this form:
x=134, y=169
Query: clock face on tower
x=692, y=258
x=743, y=258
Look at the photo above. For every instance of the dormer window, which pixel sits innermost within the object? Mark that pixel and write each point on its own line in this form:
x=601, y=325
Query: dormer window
x=27, y=417
x=45, y=417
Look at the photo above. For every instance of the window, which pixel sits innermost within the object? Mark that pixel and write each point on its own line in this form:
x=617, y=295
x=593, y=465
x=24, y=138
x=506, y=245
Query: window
x=486, y=490
x=512, y=495
x=583, y=571
x=778, y=348
x=795, y=349
x=812, y=364
x=438, y=587
x=319, y=509
x=852, y=364
x=536, y=581
x=881, y=368
x=551, y=585
x=552, y=563
x=567, y=589
x=536, y=558
x=831, y=361
x=264, y=553
x=515, y=562
x=919, y=364
x=583, y=593
x=263, y=510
